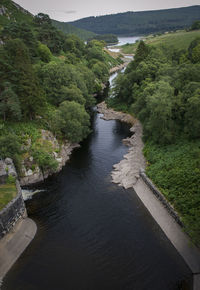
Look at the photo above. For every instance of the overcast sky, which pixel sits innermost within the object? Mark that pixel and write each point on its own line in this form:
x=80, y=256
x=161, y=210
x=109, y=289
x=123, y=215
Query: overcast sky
x=69, y=10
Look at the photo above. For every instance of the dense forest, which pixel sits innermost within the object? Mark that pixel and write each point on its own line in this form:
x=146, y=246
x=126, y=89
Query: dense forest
x=161, y=87
x=140, y=23
x=47, y=82
x=84, y=34
x=70, y=29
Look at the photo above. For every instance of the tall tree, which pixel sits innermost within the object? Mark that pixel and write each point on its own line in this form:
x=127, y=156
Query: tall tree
x=22, y=76
x=9, y=104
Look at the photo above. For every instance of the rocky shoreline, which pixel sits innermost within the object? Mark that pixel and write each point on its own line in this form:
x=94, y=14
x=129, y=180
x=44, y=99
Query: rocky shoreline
x=126, y=172
x=61, y=153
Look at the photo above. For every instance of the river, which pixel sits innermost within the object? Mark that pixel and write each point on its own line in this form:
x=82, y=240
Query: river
x=92, y=234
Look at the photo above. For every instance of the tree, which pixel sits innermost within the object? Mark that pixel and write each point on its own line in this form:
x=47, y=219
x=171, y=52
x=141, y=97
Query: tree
x=44, y=52
x=72, y=121
x=9, y=104
x=74, y=45
x=23, y=78
x=23, y=31
x=10, y=146
x=192, y=121
x=196, y=54
x=192, y=45
x=159, y=125
x=42, y=18
x=72, y=93
x=195, y=25
x=141, y=52
x=48, y=34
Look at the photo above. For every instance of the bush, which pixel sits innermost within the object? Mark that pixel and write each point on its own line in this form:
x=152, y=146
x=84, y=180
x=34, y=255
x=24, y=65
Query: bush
x=175, y=169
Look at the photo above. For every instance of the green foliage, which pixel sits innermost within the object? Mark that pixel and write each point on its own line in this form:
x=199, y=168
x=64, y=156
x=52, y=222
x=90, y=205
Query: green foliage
x=74, y=45
x=42, y=154
x=57, y=78
x=70, y=29
x=44, y=52
x=192, y=121
x=13, y=13
x=11, y=179
x=140, y=23
x=48, y=34
x=7, y=192
x=23, y=31
x=179, y=40
x=162, y=88
x=47, y=81
x=72, y=121
x=23, y=78
x=175, y=169
x=107, y=38
x=196, y=54
x=195, y=25
x=142, y=52
x=9, y=104
x=10, y=146
x=72, y=93
x=162, y=92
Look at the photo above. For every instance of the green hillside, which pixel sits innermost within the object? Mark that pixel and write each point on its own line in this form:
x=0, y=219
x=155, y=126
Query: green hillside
x=48, y=84
x=10, y=11
x=70, y=29
x=177, y=40
x=140, y=23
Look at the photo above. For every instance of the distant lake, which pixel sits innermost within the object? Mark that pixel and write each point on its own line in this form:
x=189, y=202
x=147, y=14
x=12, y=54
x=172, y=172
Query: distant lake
x=123, y=41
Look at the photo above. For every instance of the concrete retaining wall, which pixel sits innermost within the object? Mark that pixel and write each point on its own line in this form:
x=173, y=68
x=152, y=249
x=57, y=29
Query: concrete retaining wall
x=161, y=197
x=10, y=214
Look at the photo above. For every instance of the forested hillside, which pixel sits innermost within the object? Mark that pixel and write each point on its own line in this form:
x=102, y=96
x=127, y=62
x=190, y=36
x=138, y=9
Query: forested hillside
x=70, y=29
x=161, y=87
x=140, y=23
x=84, y=34
x=10, y=11
x=47, y=85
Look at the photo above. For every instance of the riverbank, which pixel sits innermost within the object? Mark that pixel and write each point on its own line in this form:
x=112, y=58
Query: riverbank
x=126, y=174
x=14, y=243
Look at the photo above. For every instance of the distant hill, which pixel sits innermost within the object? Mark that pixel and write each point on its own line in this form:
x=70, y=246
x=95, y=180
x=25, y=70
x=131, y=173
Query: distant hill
x=139, y=23
x=70, y=29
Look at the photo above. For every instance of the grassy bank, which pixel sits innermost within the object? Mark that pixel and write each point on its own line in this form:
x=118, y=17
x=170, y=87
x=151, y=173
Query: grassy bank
x=178, y=40
x=175, y=170
x=7, y=193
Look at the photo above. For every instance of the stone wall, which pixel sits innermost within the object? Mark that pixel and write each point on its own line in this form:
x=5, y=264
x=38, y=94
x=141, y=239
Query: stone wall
x=161, y=197
x=10, y=214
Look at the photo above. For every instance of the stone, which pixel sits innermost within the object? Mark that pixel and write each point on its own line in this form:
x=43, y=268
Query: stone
x=8, y=161
x=126, y=172
x=29, y=172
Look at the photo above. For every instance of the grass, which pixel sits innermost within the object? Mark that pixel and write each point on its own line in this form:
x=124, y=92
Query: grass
x=178, y=40
x=7, y=193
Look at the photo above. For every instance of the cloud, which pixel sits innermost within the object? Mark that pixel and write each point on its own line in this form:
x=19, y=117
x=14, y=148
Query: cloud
x=63, y=11
x=70, y=12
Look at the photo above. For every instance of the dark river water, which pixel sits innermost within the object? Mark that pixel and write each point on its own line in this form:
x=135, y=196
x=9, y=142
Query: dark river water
x=92, y=234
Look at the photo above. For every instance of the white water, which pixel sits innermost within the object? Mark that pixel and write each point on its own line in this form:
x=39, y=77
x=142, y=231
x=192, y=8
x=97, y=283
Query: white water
x=28, y=193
